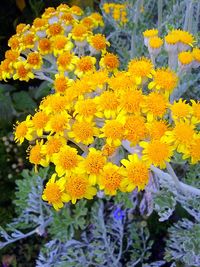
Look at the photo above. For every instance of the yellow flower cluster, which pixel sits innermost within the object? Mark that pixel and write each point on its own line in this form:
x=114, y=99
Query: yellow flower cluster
x=117, y=11
x=53, y=39
x=81, y=128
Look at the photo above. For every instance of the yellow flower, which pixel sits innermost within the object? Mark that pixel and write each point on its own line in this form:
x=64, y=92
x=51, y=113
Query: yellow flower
x=113, y=131
x=180, y=110
x=110, y=62
x=196, y=54
x=6, y=69
x=53, y=146
x=136, y=173
x=156, y=152
x=110, y=179
x=93, y=164
x=88, y=22
x=83, y=131
x=140, y=68
x=34, y=60
x=85, y=109
x=107, y=105
x=130, y=101
x=28, y=41
x=135, y=129
x=150, y=33
x=121, y=82
x=155, y=106
x=98, y=42
x=164, y=80
x=193, y=150
x=44, y=46
x=61, y=83
x=155, y=42
x=35, y=155
x=79, y=32
x=98, y=19
x=84, y=65
x=157, y=129
x=66, y=160
x=60, y=43
x=39, y=121
x=78, y=187
x=23, y=130
x=76, y=10
x=54, y=192
x=181, y=136
x=14, y=43
x=23, y=72
x=55, y=103
x=195, y=111
x=58, y=123
x=66, y=61
x=54, y=29
x=185, y=58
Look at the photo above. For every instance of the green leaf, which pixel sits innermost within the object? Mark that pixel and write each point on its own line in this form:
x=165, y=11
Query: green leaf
x=23, y=102
x=42, y=91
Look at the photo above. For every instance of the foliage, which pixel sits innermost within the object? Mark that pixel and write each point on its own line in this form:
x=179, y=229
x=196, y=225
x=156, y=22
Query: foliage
x=183, y=243
x=107, y=231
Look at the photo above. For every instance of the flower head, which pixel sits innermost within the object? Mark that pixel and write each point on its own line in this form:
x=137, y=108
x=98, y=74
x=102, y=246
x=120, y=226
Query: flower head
x=156, y=152
x=136, y=173
x=54, y=192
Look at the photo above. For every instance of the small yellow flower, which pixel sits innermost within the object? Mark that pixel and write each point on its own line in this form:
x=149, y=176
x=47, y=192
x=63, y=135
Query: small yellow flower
x=58, y=123
x=193, y=150
x=156, y=152
x=157, y=129
x=155, y=106
x=136, y=173
x=130, y=101
x=93, y=164
x=84, y=65
x=78, y=187
x=164, y=80
x=34, y=60
x=23, y=130
x=185, y=58
x=53, y=146
x=66, y=160
x=61, y=83
x=85, y=109
x=44, y=46
x=54, y=192
x=66, y=61
x=110, y=179
x=181, y=136
x=98, y=42
x=83, y=131
x=113, y=131
x=140, y=68
x=23, y=72
x=35, y=155
x=110, y=62
x=60, y=43
x=195, y=111
x=135, y=129
x=39, y=121
x=180, y=110
x=107, y=105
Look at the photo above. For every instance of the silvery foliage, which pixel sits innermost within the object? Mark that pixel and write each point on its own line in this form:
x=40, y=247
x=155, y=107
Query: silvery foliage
x=183, y=244
x=105, y=242
x=32, y=211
